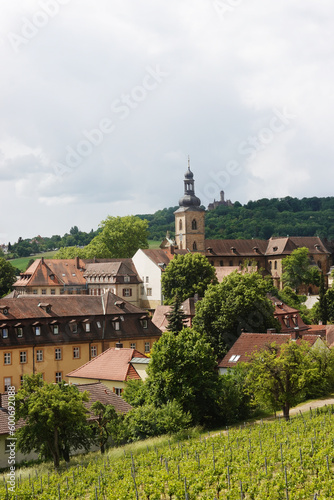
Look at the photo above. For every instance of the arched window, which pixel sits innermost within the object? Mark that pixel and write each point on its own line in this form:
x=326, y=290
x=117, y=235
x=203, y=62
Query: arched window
x=194, y=224
x=275, y=265
x=180, y=224
x=194, y=246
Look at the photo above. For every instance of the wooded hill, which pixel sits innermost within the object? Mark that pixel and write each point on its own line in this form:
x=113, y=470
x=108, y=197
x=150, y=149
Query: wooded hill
x=258, y=219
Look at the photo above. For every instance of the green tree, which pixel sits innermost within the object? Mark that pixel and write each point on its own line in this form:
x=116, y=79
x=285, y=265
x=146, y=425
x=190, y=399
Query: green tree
x=297, y=269
x=55, y=419
x=135, y=392
x=323, y=312
x=278, y=376
x=239, y=303
x=176, y=317
x=183, y=369
x=186, y=275
x=108, y=425
x=7, y=277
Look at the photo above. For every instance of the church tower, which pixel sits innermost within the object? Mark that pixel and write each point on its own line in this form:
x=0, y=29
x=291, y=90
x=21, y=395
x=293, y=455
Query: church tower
x=189, y=218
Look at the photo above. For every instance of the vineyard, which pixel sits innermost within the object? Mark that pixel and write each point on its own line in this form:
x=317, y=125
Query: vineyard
x=263, y=461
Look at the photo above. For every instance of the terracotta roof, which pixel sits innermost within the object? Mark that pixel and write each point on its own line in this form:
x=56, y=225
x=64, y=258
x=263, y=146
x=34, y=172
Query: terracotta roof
x=116, y=270
x=53, y=272
x=247, y=343
x=244, y=248
x=160, y=319
x=158, y=256
x=100, y=392
x=284, y=246
x=112, y=364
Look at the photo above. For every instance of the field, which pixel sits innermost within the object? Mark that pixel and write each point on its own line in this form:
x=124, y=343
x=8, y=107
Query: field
x=275, y=460
x=22, y=262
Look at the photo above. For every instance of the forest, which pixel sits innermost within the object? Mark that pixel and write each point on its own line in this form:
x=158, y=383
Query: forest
x=256, y=219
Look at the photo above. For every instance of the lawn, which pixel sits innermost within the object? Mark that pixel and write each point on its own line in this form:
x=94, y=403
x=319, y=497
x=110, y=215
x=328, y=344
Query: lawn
x=22, y=262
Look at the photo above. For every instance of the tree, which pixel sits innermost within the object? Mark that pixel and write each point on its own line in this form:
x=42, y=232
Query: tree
x=55, y=419
x=7, y=277
x=297, y=269
x=109, y=424
x=278, y=376
x=183, y=369
x=186, y=275
x=119, y=237
x=239, y=303
x=176, y=317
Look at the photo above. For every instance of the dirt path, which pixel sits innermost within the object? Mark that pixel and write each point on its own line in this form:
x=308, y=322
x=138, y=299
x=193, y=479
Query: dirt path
x=311, y=404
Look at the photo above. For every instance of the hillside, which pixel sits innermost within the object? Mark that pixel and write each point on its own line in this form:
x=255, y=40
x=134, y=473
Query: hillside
x=264, y=460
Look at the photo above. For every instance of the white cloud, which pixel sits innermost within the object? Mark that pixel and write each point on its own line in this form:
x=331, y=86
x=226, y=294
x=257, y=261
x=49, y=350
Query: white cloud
x=226, y=74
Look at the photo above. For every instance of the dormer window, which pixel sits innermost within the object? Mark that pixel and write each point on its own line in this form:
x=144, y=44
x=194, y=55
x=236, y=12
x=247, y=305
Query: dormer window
x=275, y=249
x=233, y=250
x=5, y=333
x=52, y=277
x=37, y=329
x=126, y=279
x=116, y=325
x=4, y=310
x=144, y=322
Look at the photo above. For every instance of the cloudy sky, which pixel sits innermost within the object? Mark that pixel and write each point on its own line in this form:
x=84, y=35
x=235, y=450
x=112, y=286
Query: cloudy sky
x=102, y=102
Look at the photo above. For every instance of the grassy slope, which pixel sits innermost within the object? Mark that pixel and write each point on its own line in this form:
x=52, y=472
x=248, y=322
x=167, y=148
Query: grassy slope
x=22, y=262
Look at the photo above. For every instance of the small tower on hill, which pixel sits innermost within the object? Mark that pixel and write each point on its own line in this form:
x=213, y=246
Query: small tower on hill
x=189, y=218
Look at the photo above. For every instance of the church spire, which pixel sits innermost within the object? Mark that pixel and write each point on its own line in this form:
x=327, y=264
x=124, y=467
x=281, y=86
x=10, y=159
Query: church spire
x=189, y=199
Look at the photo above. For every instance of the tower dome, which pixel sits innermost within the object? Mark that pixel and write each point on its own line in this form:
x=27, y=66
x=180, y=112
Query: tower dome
x=189, y=199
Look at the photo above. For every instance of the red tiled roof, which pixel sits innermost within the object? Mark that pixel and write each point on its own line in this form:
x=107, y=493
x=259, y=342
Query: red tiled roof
x=247, y=343
x=99, y=392
x=112, y=364
x=158, y=255
x=243, y=248
x=160, y=319
x=286, y=245
x=64, y=271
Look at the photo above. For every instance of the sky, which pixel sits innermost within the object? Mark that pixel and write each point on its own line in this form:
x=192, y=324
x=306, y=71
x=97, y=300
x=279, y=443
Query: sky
x=102, y=103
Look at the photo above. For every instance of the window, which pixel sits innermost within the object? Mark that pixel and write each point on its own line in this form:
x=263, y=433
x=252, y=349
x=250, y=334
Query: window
x=19, y=332
x=231, y=263
x=275, y=264
x=127, y=292
x=234, y=358
x=221, y=263
x=58, y=377
x=34, y=292
x=87, y=327
x=7, y=358
x=144, y=323
x=21, y=379
x=133, y=345
x=286, y=320
x=43, y=291
x=53, y=291
x=39, y=355
x=142, y=290
x=57, y=353
x=147, y=279
x=118, y=391
x=194, y=245
x=8, y=383
x=76, y=352
x=98, y=324
x=23, y=356
x=147, y=347
x=149, y=291
x=74, y=328
x=93, y=351
x=116, y=325
x=37, y=330
x=55, y=329
x=126, y=279
x=5, y=333
x=180, y=225
x=194, y=225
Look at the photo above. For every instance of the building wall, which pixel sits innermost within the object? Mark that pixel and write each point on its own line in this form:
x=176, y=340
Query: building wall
x=49, y=366
x=119, y=289
x=150, y=290
x=111, y=384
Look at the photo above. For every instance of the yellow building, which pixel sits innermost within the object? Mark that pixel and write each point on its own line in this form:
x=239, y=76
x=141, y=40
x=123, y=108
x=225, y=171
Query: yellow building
x=54, y=335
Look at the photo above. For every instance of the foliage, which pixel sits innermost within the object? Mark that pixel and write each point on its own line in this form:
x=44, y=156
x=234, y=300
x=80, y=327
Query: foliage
x=176, y=317
x=186, y=275
x=235, y=401
x=7, y=277
x=149, y=420
x=278, y=376
x=109, y=425
x=323, y=301
x=55, y=419
x=330, y=304
x=119, y=237
x=183, y=368
x=297, y=269
x=135, y=392
x=239, y=303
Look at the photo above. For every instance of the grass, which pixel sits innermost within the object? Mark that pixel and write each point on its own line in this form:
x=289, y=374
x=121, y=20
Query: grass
x=22, y=262
x=154, y=243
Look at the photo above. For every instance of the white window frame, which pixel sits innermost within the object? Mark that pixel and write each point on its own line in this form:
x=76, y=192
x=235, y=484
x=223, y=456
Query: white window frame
x=58, y=353
x=39, y=355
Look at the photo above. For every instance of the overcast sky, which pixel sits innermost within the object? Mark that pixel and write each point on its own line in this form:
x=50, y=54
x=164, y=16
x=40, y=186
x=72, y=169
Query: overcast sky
x=102, y=102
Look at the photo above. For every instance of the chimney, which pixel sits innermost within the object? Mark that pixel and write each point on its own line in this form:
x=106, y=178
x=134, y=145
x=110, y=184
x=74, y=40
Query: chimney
x=118, y=345
x=295, y=334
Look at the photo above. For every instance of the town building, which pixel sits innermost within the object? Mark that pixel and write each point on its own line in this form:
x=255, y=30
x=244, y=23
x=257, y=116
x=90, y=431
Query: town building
x=114, y=367
x=54, y=335
x=160, y=316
